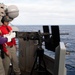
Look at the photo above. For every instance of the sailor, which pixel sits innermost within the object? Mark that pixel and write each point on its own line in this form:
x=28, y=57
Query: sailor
x=10, y=46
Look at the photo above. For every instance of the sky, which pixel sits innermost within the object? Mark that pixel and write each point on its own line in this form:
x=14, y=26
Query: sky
x=43, y=12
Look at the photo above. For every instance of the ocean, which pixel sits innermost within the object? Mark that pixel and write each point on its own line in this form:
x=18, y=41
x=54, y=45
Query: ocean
x=69, y=41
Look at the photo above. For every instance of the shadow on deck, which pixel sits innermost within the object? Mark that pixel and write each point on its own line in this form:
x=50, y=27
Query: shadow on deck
x=35, y=72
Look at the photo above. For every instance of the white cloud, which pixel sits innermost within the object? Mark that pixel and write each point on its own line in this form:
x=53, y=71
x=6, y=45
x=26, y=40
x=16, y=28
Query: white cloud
x=45, y=12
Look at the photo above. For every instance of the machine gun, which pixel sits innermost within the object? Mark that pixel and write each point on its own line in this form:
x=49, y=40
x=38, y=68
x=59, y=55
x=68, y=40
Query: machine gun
x=51, y=40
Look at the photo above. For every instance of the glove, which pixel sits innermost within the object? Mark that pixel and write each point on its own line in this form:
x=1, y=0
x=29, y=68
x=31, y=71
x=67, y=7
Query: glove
x=8, y=37
x=11, y=35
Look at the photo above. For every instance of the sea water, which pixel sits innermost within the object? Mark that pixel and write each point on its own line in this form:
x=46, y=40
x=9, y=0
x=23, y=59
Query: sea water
x=69, y=41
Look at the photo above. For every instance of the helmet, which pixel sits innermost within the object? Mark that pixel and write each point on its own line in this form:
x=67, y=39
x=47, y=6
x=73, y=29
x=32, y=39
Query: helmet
x=12, y=11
